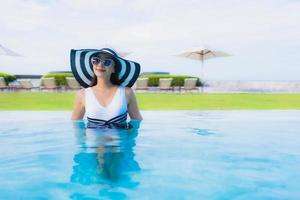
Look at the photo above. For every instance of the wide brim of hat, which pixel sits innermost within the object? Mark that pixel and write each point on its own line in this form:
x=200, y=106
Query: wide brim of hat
x=82, y=68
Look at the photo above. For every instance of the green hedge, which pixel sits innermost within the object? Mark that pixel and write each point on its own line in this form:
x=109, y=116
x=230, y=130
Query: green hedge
x=7, y=77
x=60, y=78
x=178, y=80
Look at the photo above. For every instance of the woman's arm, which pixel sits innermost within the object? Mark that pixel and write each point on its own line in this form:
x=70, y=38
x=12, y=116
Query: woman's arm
x=79, y=108
x=133, y=110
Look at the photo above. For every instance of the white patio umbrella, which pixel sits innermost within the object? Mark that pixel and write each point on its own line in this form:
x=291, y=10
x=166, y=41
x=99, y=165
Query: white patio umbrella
x=8, y=52
x=202, y=53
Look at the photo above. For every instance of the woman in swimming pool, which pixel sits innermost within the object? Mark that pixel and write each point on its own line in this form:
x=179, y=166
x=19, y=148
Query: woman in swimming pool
x=107, y=97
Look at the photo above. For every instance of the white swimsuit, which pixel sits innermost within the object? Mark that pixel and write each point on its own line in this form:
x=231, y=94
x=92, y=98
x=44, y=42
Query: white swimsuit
x=114, y=115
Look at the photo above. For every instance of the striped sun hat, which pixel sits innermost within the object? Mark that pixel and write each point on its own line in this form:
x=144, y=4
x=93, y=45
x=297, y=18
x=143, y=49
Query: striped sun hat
x=82, y=68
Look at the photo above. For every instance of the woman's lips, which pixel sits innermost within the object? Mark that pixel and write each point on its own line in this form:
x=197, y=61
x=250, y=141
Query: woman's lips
x=101, y=70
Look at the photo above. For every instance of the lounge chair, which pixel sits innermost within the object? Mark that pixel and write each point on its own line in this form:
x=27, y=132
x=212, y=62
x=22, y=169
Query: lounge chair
x=48, y=83
x=72, y=83
x=25, y=84
x=3, y=84
x=190, y=84
x=141, y=84
x=165, y=84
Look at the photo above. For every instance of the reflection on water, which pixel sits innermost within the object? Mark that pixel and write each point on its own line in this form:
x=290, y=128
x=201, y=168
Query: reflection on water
x=105, y=156
x=183, y=155
x=203, y=132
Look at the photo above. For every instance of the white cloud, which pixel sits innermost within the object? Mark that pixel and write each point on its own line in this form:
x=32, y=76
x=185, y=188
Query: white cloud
x=44, y=31
x=17, y=16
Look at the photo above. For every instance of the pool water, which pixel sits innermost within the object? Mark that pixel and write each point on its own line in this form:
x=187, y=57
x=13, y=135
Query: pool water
x=173, y=155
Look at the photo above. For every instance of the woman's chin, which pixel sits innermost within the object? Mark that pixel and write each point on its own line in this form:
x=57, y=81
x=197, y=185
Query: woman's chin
x=99, y=74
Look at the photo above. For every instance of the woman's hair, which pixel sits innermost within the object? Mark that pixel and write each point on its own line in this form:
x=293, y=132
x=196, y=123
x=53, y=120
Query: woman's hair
x=113, y=79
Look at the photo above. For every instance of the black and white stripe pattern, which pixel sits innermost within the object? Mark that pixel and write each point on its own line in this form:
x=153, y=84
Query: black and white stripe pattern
x=82, y=68
x=116, y=122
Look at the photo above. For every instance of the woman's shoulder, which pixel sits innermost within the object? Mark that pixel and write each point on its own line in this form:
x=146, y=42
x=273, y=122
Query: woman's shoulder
x=128, y=90
x=81, y=91
x=129, y=93
x=80, y=94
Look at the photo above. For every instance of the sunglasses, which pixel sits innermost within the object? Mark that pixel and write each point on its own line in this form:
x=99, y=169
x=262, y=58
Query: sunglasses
x=107, y=62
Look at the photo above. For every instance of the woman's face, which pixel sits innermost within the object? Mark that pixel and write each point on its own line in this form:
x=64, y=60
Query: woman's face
x=104, y=66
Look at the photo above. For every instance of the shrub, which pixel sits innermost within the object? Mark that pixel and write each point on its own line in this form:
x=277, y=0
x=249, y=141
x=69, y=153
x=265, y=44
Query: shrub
x=60, y=78
x=7, y=77
x=178, y=80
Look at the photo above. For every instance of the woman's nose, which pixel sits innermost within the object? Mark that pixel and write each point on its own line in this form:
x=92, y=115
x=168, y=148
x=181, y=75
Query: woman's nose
x=100, y=64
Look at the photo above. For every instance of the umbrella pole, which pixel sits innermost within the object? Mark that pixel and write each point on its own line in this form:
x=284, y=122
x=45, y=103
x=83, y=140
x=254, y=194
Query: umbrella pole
x=202, y=76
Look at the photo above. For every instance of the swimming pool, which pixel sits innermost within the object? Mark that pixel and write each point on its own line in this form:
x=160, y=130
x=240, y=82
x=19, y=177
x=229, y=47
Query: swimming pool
x=174, y=155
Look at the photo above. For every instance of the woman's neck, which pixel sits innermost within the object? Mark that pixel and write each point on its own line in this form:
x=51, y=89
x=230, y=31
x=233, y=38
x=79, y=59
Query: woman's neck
x=103, y=83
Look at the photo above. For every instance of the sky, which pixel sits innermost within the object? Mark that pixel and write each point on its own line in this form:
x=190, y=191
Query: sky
x=262, y=36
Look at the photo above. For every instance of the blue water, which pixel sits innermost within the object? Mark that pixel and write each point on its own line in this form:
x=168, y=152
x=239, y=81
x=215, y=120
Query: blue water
x=173, y=155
